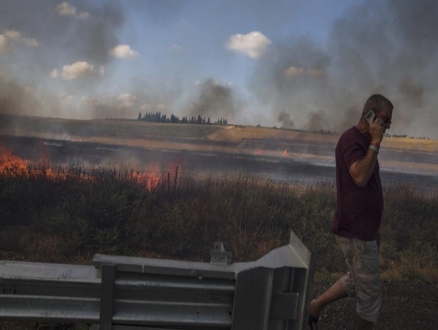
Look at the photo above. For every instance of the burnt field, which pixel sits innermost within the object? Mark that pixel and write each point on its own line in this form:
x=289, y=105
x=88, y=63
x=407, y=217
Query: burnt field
x=268, y=153
x=303, y=163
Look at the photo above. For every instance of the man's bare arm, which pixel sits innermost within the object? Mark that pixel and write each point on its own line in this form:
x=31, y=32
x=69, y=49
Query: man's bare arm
x=362, y=170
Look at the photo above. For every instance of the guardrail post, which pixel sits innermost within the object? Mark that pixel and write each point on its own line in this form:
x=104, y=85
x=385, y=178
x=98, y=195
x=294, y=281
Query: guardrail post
x=106, y=296
x=252, y=299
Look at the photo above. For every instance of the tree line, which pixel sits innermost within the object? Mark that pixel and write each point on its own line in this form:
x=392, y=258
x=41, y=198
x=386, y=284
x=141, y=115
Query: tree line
x=157, y=117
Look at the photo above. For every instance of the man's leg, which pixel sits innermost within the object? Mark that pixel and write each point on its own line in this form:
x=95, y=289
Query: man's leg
x=342, y=288
x=365, y=269
x=335, y=292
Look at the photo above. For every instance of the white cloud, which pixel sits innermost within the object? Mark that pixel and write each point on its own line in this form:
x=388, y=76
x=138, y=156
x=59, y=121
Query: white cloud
x=126, y=99
x=78, y=70
x=3, y=43
x=146, y=107
x=66, y=9
x=316, y=72
x=253, y=44
x=13, y=35
x=153, y=108
x=123, y=51
x=66, y=98
x=206, y=82
x=9, y=38
x=293, y=71
x=176, y=47
x=83, y=16
x=54, y=74
x=32, y=42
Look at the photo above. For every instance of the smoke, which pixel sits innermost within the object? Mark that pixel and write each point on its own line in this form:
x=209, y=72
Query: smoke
x=214, y=100
x=13, y=98
x=286, y=120
x=141, y=97
x=46, y=40
x=317, y=121
x=292, y=81
x=376, y=47
x=57, y=58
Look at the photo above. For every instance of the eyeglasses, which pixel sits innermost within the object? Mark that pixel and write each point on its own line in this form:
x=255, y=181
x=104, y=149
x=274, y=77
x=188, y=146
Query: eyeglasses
x=386, y=120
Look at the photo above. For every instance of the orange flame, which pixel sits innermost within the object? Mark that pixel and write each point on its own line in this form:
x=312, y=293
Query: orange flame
x=150, y=178
x=9, y=163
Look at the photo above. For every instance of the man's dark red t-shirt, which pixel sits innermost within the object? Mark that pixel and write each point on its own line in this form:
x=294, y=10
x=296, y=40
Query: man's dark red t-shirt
x=358, y=209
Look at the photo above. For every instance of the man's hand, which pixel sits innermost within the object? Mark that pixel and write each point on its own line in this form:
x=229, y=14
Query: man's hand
x=377, y=128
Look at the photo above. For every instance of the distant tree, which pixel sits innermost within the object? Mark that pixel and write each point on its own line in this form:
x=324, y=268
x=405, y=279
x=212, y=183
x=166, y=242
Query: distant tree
x=174, y=119
x=157, y=117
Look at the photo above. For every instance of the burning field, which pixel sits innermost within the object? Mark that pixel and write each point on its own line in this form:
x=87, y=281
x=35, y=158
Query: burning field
x=149, y=150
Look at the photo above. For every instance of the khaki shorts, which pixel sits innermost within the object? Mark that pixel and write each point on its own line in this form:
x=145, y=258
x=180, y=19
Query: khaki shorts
x=362, y=281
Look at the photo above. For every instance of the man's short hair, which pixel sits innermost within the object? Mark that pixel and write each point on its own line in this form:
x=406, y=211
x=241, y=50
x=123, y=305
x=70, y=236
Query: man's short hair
x=376, y=102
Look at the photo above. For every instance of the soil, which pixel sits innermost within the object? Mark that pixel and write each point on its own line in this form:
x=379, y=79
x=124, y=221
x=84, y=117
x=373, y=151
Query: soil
x=405, y=305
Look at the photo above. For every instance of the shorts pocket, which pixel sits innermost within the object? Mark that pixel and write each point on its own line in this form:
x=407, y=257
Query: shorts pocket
x=342, y=239
x=360, y=245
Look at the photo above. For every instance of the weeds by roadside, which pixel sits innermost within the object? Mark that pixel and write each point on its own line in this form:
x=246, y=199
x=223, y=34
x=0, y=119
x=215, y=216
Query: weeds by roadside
x=70, y=216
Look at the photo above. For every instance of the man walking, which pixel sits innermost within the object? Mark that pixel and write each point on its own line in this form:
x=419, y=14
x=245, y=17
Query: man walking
x=358, y=214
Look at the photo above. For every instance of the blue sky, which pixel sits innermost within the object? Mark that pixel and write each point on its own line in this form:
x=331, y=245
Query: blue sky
x=295, y=64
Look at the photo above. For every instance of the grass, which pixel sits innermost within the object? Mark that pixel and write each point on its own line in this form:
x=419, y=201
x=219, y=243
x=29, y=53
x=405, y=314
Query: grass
x=69, y=213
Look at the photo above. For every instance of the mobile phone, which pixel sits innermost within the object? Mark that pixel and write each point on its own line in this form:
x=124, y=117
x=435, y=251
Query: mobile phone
x=369, y=115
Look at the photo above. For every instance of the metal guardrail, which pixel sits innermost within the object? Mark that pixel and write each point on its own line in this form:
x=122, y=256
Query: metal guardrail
x=120, y=292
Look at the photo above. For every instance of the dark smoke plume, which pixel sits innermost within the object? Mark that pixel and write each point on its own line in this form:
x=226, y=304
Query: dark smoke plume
x=286, y=120
x=387, y=47
x=215, y=101
x=53, y=34
x=88, y=37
